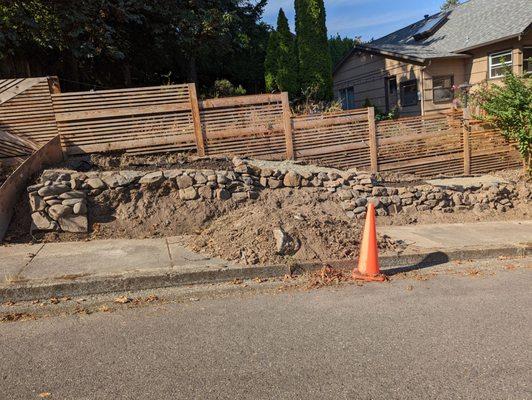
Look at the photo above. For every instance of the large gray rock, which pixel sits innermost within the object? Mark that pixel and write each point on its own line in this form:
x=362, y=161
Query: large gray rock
x=74, y=223
x=205, y=192
x=172, y=173
x=184, y=181
x=292, y=179
x=284, y=243
x=53, y=190
x=114, y=180
x=152, y=178
x=41, y=222
x=274, y=183
x=132, y=176
x=95, y=183
x=189, y=193
x=34, y=188
x=240, y=197
x=223, y=194
x=71, y=202
x=80, y=208
x=75, y=194
x=37, y=203
x=59, y=210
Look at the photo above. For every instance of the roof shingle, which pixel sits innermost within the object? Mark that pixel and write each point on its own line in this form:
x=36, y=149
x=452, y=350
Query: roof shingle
x=469, y=25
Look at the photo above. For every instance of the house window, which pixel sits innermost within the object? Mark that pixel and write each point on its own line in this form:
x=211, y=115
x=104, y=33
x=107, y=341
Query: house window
x=498, y=62
x=409, y=93
x=527, y=60
x=442, y=88
x=347, y=96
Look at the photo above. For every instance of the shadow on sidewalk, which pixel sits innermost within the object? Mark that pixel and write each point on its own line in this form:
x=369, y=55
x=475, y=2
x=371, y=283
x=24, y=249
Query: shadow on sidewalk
x=430, y=260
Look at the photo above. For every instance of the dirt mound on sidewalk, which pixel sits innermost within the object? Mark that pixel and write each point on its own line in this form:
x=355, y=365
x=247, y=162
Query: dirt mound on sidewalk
x=315, y=229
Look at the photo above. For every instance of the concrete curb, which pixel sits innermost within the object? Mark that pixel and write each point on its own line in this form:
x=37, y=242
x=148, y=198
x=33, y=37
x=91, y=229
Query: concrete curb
x=138, y=281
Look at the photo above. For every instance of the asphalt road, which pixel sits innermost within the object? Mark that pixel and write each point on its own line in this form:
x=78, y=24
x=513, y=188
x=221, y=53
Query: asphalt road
x=450, y=337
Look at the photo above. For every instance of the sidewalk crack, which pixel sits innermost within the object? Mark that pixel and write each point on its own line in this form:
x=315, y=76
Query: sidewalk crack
x=169, y=253
x=25, y=266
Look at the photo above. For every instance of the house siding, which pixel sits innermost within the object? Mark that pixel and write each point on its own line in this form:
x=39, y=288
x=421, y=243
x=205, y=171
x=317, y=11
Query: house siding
x=367, y=72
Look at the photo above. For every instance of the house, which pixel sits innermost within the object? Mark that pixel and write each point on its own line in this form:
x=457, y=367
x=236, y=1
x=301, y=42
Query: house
x=421, y=68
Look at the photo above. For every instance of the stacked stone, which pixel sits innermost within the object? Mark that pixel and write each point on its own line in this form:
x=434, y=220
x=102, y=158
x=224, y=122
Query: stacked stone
x=58, y=204
x=246, y=181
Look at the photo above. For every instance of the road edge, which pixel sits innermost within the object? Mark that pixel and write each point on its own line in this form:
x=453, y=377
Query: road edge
x=390, y=264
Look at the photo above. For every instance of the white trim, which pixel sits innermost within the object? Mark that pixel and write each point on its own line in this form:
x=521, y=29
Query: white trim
x=499, y=53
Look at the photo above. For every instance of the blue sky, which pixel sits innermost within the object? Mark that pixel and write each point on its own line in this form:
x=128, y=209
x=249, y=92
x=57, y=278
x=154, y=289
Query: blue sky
x=366, y=18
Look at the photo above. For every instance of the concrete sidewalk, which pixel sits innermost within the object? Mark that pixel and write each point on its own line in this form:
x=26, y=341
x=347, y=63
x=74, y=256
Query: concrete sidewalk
x=79, y=268
x=461, y=236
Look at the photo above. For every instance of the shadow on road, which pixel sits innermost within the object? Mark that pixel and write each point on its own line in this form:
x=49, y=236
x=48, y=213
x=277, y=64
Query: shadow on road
x=430, y=260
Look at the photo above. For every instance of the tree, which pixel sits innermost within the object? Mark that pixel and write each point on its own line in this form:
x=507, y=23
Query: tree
x=509, y=108
x=315, y=67
x=281, y=64
x=449, y=5
x=271, y=62
x=340, y=46
x=116, y=43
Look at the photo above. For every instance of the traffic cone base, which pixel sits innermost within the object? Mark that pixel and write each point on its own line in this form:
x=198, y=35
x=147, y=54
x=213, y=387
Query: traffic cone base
x=369, y=278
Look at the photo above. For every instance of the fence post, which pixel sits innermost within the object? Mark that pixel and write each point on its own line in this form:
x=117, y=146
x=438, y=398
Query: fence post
x=287, y=125
x=466, y=142
x=373, y=152
x=53, y=84
x=196, y=118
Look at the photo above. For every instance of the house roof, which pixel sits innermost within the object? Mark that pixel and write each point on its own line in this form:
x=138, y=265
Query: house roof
x=471, y=24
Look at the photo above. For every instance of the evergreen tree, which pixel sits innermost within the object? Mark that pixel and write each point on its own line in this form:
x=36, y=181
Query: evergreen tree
x=281, y=59
x=449, y=5
x=340, y=46
x=270, y=63
x=315, y=67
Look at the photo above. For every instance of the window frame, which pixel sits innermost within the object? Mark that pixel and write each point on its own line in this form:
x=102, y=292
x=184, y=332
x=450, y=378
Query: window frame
x=491, y=65
x=343, y=92
x=444, y=88
x=402, y=85
x=525, y=60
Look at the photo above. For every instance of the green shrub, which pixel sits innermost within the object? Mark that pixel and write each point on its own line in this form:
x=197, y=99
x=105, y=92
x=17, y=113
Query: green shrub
x=508, y=107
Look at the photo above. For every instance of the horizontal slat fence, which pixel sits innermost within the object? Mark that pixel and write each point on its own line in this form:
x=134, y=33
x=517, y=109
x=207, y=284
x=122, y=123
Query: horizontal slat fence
x=27, y=117
x=420, y=145
x=490, y=151
x=171, y=118
x=147, y=119
x=245, y=125
x=338, y=139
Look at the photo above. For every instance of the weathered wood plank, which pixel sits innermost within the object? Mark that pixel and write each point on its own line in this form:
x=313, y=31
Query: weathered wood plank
x=48, y=154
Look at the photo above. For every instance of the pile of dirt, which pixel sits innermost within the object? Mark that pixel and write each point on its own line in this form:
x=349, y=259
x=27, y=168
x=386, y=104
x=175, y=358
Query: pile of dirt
x=125, y=161
x=318, y=230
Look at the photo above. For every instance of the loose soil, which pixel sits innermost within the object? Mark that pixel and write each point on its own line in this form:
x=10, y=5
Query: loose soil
x=240, y=232
x=123, y=161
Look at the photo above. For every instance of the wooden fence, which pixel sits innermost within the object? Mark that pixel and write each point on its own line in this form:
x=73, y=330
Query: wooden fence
x=171, y=118
x=147, y=119
x=27, y=118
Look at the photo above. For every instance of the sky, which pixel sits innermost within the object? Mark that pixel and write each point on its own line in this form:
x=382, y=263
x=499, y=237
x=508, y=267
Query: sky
x=366, y=18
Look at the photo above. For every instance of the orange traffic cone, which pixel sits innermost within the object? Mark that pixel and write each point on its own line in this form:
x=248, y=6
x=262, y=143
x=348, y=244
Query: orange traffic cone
x=368, y=261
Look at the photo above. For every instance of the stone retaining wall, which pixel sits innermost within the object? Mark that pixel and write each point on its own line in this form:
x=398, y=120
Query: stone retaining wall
x=59, y=201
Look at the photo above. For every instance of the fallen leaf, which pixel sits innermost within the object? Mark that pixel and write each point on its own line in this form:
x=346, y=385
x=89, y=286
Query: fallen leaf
x=54, y=300
x=104, y=309
x=510, y=266
x=122, y=299
x=410, y=287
